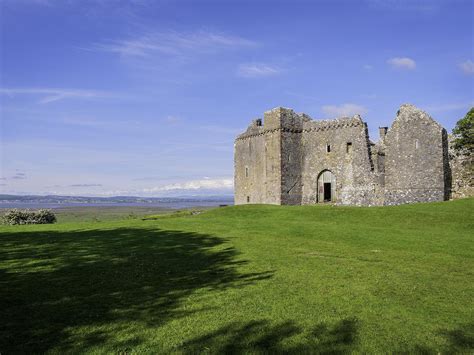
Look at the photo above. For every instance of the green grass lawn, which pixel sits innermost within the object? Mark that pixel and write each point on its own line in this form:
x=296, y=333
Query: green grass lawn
x=103, y=213
x=244, y=279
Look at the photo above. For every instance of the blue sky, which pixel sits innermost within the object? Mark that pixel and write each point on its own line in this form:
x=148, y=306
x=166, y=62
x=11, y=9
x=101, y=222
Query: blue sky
x=115, y=97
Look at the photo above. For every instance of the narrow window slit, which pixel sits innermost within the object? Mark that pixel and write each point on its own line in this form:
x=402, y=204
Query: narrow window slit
x=349, y=147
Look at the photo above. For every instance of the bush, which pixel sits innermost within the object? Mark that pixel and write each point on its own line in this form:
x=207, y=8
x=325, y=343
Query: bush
x=17, y=216
x=464, y=134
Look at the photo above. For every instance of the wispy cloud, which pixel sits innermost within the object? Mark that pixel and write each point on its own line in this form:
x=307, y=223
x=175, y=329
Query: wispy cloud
x=85, y=185
x=344, y=110
x=49, y=95
x=172, y=43
x=86, y=122
x=368, y=67
x=171, y=119
x=34, y=2
x=402, y=63
x=222, y=129
x=467, y=67
x=19, y=176
x=418, y=6
x=369, y=96
x=257, y=70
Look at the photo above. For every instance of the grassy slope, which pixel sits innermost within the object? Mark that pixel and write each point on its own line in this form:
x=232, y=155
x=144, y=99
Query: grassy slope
x=302, y=278
x=101, y=214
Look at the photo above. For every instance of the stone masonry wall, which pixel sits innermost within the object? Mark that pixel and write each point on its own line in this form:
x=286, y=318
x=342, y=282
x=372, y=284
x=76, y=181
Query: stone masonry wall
x=249, y=167
x=291, y=158
x=352, y=166
x=414, y=158
x=278, y=161
x=462, y=170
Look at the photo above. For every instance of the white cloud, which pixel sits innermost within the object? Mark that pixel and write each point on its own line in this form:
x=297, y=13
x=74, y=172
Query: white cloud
x=467, y=67
x=368, y=67
x=256, y=70
x=344, y=110
x=173, y=43
x=53, y=94
x=207, y=184
x=402, y=63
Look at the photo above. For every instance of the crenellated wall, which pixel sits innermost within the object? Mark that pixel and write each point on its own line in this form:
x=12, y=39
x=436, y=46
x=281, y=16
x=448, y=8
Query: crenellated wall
x=283, y=160
x=349, y=159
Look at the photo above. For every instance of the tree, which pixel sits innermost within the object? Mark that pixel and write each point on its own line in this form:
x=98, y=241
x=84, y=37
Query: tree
x=464, y=134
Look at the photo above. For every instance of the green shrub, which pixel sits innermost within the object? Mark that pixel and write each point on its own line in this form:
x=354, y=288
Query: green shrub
x=17, y=216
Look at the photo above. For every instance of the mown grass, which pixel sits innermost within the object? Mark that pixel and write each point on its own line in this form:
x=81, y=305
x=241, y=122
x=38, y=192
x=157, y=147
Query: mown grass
x=93, y=214
x=246, y=279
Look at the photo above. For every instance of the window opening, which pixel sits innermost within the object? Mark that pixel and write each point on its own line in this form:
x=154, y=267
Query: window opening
x=349, y=147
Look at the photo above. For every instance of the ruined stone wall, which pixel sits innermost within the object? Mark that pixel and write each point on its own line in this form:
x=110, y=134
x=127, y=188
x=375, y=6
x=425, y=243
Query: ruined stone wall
x=415, y=159
x=352, y=165
x=462, y=170
x=279, y=161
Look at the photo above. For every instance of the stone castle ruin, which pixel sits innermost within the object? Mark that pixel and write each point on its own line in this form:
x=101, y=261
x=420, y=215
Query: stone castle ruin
x=290, y=159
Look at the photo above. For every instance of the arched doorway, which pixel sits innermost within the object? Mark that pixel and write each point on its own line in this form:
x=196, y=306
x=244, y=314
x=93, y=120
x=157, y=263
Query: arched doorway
x=326, y=187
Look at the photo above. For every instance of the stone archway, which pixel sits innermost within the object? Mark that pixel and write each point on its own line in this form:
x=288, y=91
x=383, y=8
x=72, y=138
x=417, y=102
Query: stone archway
x=326, y=186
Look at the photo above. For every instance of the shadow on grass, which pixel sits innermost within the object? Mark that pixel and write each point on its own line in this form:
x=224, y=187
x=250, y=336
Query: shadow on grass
x=460, y=340
x=457, y=341
x=102, y=280
x=263, y=337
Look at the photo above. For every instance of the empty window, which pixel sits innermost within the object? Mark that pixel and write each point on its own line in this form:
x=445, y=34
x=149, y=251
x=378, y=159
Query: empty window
x=328, y=148
x=417, y=144
x=248, y=199
x=246, y=172
x=349, y=147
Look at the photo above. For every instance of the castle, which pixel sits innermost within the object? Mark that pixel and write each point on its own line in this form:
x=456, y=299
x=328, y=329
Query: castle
x=290, y=159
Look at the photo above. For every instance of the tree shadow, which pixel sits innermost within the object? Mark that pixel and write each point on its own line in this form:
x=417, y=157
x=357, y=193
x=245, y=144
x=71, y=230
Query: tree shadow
x=286, y=337
x=56, y=281
x=457, y=341
x=460, y=340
